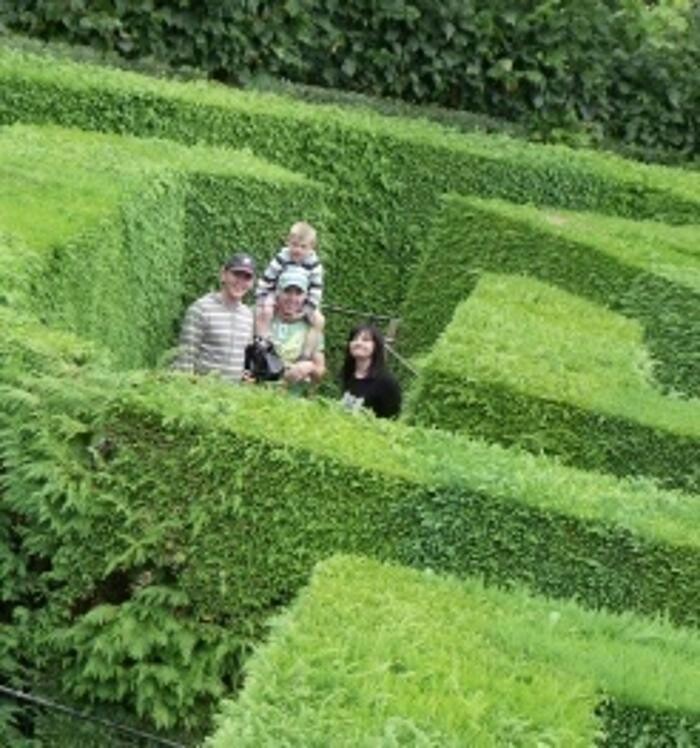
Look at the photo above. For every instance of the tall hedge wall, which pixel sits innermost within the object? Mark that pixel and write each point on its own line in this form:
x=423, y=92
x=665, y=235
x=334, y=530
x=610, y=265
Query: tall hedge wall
x=644, y=270
x=111, y=236
x=526, y=364
x=369, y=652
x=386, y=175
x=122, y=489
x=589, y=68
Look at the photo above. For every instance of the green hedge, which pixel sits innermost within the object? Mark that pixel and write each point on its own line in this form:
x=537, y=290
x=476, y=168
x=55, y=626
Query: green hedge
x=566, y=70
x=457, y=119
x=643, y=270
x=123, y=488
x=369, y=654
x=116, y=489
x=386, y=173
x=111, y=237
x=528, y=365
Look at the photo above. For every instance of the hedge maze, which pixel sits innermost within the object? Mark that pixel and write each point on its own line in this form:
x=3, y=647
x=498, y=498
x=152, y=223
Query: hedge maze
x=522, y=550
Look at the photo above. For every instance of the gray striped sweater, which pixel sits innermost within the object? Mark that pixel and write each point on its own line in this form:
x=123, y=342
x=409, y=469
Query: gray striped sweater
x=214, y=336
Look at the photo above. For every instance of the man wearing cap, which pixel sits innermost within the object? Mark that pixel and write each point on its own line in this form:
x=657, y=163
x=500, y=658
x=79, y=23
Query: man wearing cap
x=219, y=326
x=291, y=332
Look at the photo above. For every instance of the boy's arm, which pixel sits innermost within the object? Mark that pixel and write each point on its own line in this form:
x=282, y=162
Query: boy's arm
x=312, y=369
x=315, y=294
x=319, y=371
x=267, y=282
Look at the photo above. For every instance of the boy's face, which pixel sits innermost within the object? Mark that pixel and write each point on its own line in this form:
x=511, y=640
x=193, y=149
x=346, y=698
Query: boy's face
x=299, y=247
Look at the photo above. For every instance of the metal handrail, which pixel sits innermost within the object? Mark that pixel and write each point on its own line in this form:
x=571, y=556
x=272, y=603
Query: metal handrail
x=86, y=716
x=402, y=360
x=358, y=313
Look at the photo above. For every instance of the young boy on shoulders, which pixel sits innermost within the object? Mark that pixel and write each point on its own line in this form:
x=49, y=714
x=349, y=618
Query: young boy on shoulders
x=299, y=251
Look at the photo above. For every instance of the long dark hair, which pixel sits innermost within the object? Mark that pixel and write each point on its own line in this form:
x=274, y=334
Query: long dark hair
x=378, y=363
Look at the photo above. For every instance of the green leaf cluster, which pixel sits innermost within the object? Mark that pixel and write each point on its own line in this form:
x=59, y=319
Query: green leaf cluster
x=148, y=654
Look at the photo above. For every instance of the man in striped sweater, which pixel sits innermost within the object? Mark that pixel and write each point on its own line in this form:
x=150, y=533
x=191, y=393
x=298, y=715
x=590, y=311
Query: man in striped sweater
x=219, y=326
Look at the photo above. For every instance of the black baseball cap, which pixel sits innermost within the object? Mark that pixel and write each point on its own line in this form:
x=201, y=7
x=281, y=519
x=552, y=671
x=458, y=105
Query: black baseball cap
x=241, y=262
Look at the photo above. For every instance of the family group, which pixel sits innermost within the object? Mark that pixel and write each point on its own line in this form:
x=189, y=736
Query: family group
x=219, y=329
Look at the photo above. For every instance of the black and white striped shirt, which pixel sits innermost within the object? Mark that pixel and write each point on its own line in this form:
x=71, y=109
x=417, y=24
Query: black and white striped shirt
x=311, y=264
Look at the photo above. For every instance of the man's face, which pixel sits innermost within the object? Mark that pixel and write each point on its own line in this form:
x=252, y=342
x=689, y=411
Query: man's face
x=290, y=301
x=235, y=284
x=299, y=247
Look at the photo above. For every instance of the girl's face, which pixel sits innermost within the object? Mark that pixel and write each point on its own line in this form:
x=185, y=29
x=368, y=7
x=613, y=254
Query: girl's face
x=362, y=345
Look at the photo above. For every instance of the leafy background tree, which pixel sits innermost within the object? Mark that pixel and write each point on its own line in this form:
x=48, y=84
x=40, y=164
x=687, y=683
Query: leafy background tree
x=579, y=72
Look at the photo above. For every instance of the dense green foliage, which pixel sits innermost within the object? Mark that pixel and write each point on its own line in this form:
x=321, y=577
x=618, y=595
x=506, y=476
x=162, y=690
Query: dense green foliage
x=647, y=271
x=369, y=654
x=584, y=70
x=527, y=364
x=151, y=523
x=385, y=178
x=122, y=488
x=109, y=237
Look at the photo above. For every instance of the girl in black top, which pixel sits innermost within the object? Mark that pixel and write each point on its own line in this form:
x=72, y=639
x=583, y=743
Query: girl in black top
x=365, y=379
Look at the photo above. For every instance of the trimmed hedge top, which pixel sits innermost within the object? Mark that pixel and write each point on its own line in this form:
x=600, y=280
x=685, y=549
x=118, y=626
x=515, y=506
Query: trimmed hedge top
x=645, y=271
x=16, y=66
x=369, y=652
x=545, y=342
x=670, y=252
x=529, y=365
x=406, y=453
x=58, y=182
